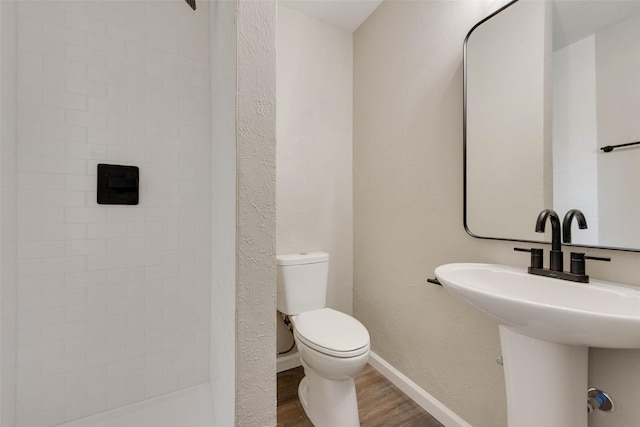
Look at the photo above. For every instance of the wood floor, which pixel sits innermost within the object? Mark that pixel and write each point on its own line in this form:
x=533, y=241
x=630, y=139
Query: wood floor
x=380, y=403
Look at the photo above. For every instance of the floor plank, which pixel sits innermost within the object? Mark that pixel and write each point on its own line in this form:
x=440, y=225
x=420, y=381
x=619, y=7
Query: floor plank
x=380, y=403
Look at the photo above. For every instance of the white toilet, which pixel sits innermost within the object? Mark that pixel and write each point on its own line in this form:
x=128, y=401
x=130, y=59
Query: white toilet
x=333, y=346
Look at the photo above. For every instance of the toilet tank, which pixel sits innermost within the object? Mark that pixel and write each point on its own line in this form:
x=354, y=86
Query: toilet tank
x=302, y=281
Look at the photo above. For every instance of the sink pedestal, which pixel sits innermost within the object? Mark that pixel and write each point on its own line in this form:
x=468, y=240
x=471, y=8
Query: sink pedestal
x=546, y=382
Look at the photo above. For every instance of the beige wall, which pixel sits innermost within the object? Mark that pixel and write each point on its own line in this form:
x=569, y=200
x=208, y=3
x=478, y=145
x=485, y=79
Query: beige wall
x=314, y=161
x=408, y=205
x=408, y=218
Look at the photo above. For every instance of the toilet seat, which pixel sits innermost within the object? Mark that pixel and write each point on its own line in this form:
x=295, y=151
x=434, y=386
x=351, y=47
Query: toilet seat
x=331, y=332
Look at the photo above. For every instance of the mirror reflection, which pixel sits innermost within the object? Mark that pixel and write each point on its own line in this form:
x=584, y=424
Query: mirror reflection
x=548, y=84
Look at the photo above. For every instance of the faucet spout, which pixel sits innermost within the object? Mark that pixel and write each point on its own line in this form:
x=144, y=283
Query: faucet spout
x=566, y=223
x=556, y=244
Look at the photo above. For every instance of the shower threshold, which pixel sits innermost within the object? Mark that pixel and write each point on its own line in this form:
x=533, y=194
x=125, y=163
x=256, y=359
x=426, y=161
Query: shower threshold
x=190, y=407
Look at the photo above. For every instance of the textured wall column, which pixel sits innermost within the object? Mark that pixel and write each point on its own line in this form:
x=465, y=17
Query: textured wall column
x=256, y=285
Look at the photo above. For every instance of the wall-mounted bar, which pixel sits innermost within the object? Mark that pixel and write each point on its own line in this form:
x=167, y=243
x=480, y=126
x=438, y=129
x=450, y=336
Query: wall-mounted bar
x=434, y=281
x=610, y=148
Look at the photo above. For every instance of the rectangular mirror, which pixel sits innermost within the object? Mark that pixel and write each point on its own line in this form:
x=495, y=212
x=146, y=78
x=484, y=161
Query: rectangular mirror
x=547, y=85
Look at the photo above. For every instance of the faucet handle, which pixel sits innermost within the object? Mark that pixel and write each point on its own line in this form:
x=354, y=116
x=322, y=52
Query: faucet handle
x=577, y=261
x=536, y=256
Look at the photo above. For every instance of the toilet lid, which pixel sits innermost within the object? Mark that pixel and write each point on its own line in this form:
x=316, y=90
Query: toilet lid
x=332, y=332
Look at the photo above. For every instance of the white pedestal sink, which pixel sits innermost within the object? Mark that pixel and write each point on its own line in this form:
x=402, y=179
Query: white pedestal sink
x=546, y=327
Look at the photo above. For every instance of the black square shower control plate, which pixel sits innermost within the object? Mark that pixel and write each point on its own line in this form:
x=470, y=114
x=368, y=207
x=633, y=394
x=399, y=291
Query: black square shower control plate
x=118, y=185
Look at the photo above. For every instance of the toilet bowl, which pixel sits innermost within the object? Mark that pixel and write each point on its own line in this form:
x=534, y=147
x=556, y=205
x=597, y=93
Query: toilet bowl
x=333, y=346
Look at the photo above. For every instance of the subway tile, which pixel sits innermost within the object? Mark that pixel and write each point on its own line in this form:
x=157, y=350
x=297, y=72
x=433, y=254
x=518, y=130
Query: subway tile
x=107, y=136
x=74, y=150
x=41, y=147
x=85, y=215
x=144, y=259
x=28, y=302
x=37, y=353
x=108, y=261
x=85, y=23
x=40, y=78
x=29, y=215
x=58, y=167
x=106, y=44
x=83, y=408
x=86, y=119
x=62, y=99
x=40, y=181
x=64, y=331
x=126, y=33
x=62, y=397
x=79, y=183
x=125, y=245
x=30, y=60
x=61, y=365
x=41, y=11
x=45, y=418
x=106, y=293
x=127, y=305
x=105, y=325
x=29, y=371
x=29, y=94
x=85, y=87
x=121, y=62
x=28, y=406
x=126, y=397
x=63, y=231
x=86, y=279
x=85, y=55
x=63, y=199
x=85, y=375
x=107, y=75
x=41, y=113
x=85, y=311
x=107, y=106
x=66, y=264
x=39, y=45
x=40, y=249
x=85, y=247
x=126, y=275
x=107, y=230
x=37, y=283
x=114, y=314
x=106, y=13
x=112, y=383
x=64, y=298
x=63, y=34
x=63, y=133
x=86, y=343
x=125, y=214
x=65, y=67
x=130, y=334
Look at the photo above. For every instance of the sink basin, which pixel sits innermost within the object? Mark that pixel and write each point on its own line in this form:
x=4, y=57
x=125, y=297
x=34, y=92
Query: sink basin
x=546, y=328
x=595, y=314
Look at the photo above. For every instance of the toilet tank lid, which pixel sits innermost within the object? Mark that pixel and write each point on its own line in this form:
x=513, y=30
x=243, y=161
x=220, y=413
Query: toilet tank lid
x=302, y=258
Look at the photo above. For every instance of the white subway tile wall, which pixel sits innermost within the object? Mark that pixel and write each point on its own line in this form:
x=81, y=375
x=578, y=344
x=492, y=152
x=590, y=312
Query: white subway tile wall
x=113, y=301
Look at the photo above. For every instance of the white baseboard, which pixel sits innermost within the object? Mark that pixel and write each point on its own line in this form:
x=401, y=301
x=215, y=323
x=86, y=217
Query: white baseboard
x=417, y=394
x=288, y=361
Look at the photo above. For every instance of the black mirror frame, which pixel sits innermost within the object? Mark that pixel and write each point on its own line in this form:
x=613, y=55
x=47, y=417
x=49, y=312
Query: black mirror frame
x=464, y=153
